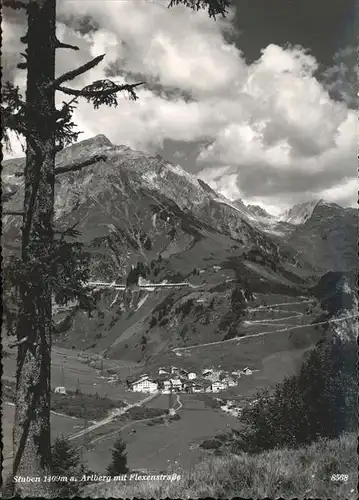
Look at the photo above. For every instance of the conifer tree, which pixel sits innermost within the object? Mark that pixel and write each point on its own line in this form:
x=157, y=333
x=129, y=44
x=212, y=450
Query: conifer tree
x=49, y=266
x=119, y=459
x=66, y=463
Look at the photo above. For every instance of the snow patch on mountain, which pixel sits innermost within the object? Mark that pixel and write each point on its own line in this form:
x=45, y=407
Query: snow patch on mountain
x=300, y=213
x=261, y=219
x=176, y=169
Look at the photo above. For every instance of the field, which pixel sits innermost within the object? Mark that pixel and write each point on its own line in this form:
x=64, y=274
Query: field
x=161, y=446
x=69, y=369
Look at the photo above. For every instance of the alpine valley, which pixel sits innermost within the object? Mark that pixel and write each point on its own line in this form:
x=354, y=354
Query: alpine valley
x=144, y=218
x=185, y=280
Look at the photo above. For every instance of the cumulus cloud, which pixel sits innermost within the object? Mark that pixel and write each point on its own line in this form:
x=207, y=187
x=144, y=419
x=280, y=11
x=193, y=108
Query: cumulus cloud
x=273, y=134
x=12, y=31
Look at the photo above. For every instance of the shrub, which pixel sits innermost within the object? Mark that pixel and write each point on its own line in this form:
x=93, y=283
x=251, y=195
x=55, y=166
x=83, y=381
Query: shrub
x=211, y=444
x=163, y=322
x=153, y=322
x=186, y=307
x=81, y=405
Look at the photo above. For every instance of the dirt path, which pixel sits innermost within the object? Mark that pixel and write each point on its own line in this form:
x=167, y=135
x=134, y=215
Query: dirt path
x=281, y=304
x=133, y=423
x=110, y=418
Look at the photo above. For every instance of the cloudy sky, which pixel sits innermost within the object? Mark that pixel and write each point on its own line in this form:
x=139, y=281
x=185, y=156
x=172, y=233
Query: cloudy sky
x=260, y=105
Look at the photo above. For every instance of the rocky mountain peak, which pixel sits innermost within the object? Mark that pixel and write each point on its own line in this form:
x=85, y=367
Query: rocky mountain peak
x=299, y=213
x=259, y=211
x=135, y=190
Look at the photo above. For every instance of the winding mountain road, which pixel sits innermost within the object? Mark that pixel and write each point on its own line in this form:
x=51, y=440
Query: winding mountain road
x=286, y=329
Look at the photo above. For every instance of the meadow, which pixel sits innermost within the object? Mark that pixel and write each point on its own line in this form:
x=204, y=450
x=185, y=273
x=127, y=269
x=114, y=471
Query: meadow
x=307, y=472
x=159, y=446
x=71, y=368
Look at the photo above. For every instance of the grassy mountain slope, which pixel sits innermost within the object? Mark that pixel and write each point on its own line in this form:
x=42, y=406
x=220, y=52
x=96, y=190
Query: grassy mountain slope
x=304, y=473
x=134, y=208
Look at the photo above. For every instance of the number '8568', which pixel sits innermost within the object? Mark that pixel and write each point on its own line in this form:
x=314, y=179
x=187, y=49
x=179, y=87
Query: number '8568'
x=339, y=477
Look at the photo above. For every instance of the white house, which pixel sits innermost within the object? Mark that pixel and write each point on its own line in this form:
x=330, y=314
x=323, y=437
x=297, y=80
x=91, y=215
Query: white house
x=60, y=390
x=176, y=384
x=166, y=386
x=162, y=371
x=144, y=384
x=173, y=384
x=218, y=386
x=247, y=371
x=191, y=375
x=207, y=372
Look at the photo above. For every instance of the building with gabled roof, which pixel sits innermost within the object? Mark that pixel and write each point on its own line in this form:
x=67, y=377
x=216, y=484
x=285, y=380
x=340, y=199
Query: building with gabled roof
x=143, y=384
x=218, y=386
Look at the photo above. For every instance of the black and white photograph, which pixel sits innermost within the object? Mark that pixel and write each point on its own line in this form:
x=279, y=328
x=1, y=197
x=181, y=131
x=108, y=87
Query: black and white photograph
x=179, y=249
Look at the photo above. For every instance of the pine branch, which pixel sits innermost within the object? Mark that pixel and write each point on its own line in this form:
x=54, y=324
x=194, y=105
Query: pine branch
x=13, y=110
x=103, y=92
x=61, y=45
x=79, y=166
x=214, y=7
x=70, y=75
x=13, y=122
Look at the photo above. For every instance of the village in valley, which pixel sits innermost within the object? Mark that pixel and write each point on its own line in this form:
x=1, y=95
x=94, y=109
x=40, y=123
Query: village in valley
x=173, y=379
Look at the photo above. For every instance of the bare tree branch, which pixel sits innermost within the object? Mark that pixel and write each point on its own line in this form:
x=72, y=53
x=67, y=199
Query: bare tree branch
x=79, y=166
x=70, y=75
x=61, y=45
x=9, y=212
x=70, y=168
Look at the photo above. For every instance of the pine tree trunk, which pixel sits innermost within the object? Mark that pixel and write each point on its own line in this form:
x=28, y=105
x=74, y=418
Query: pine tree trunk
x=31, y=434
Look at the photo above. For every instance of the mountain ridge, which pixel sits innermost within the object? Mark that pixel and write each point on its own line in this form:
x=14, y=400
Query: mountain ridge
x=139, y=214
